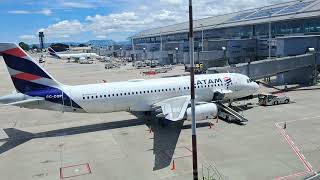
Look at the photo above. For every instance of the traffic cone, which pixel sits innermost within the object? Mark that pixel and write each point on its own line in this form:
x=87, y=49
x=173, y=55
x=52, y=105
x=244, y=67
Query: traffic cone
x=173, y=166
x=285, y=125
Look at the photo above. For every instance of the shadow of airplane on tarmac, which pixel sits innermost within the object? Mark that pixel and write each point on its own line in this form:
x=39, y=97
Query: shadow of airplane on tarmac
x=165, y=137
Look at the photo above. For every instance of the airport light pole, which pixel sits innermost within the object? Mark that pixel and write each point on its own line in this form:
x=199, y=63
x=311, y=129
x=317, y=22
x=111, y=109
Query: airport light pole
x=161, y=46
x=193, y=115
x=133, y=59
x=270, y=36
x=176, y=54
x=201, y=37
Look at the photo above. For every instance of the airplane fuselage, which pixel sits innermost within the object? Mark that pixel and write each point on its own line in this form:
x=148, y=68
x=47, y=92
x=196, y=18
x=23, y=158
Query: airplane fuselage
x=78, y=55
x=140, y=95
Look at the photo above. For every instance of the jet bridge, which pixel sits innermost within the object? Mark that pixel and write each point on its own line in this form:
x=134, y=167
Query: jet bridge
x=301, y=69
x=235, y=116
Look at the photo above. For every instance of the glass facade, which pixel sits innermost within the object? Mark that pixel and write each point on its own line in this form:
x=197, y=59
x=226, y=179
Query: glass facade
x=288, y=27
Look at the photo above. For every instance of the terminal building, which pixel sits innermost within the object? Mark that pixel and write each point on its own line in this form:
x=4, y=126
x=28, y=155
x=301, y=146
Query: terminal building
x=280, y=30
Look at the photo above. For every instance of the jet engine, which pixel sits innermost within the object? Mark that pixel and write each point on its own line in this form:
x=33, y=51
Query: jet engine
x=204, y=111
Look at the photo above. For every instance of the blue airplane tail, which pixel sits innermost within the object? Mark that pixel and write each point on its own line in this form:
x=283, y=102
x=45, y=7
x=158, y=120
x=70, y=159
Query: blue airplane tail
x=26, y=74
x=30, y=78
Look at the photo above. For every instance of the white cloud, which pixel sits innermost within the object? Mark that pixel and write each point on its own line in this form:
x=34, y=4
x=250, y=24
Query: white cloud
x=46, y=12
x=63, y=29
x=101, y=37
x=127, y=21
x=27, y=37
x=19, y=12
x=143, y=8
x=172, y=2
x=76, y=4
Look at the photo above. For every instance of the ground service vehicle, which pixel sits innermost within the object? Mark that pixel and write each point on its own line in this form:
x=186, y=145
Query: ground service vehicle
x=269, y=99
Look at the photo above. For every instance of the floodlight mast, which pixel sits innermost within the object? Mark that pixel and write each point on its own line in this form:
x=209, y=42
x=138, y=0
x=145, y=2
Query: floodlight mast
x=192, y=88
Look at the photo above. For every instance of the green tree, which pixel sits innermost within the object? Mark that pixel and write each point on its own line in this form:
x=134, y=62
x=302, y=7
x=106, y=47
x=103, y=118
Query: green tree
x=34, y=47
x=82, y=45
x=24, y=46
x=59, y=47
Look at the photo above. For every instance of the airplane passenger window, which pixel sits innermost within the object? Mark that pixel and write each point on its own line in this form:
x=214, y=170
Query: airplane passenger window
x=92, y=97
x=96, y=96
x=105, y=96
x=109, y=95
x=100, y=96
x=147, y=91
x=83, y=98
x=125, y=94
x=120, y=94
x=151, y=91
x=117, y=94
x=88, y=97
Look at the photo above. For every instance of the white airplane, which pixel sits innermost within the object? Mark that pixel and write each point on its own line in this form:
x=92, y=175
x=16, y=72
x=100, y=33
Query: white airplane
x=169, y=97
x=77, y=56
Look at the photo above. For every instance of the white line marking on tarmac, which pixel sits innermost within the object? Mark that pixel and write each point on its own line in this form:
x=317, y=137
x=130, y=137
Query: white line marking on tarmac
x=307, y=165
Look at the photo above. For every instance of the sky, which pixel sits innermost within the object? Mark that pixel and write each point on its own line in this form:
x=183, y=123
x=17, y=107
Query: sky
x=83, y=20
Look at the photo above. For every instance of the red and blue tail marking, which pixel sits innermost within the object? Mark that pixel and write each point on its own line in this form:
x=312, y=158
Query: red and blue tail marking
x=29, y=77
x=53, y=53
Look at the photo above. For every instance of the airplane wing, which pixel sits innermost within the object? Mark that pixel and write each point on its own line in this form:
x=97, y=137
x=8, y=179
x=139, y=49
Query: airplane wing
x=18, y=103
x=173, y=109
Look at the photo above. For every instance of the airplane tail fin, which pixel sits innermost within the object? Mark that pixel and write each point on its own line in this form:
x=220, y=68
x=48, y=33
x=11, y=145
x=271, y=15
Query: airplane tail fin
x=53, y=53
x=26, y=74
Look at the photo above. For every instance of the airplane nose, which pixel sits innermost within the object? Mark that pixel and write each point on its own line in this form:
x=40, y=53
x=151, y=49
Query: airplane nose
x=255, y=86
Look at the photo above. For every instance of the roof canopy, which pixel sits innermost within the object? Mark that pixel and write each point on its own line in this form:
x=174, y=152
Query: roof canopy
x=283, y=11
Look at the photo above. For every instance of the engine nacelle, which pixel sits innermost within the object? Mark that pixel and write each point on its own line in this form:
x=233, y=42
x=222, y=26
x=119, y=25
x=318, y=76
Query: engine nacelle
x=204, y=112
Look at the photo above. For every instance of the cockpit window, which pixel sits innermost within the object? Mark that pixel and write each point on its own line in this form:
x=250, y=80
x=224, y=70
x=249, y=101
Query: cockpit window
x=249, y=80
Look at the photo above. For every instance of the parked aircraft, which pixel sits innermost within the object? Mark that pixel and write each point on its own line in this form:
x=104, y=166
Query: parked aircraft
x=168, y=97
x=76, y=56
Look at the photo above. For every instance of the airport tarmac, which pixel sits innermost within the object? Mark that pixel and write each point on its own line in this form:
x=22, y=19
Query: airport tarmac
x=121, y=146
